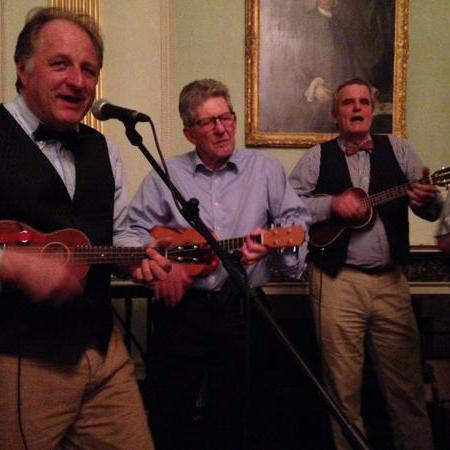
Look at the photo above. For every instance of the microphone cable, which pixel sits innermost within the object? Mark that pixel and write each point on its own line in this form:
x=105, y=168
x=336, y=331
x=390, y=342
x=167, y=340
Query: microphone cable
x=319, y=302
x=164, y=165
x=19, y=399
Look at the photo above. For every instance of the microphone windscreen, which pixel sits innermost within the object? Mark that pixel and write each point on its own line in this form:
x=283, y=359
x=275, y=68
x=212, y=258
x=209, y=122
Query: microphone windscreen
x=96, y=108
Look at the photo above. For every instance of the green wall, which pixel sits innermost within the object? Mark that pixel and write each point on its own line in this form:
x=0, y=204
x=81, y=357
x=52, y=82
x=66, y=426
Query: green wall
x=428, y=100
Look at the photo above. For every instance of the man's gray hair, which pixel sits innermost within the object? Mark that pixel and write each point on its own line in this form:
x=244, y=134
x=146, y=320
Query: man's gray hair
x=195, y=93
x=37, y=18
x=359, y=81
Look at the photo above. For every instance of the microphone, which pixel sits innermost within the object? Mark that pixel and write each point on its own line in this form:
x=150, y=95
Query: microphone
x=103, y=110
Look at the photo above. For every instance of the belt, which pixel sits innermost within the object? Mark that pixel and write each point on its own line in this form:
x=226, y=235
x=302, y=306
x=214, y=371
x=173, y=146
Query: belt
x=372, y=270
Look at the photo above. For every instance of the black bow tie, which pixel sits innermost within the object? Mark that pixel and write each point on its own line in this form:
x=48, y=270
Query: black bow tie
x=68, y=138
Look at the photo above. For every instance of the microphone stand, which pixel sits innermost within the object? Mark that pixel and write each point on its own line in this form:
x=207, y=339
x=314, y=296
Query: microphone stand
x=190, y=211
x=353, y=435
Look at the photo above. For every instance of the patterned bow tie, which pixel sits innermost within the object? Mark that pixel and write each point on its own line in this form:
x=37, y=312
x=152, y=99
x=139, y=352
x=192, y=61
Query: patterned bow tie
x=351, y=149
x=68, y=138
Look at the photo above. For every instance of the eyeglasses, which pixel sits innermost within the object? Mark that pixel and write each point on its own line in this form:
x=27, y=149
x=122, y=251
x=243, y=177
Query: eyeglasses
x=208, y=123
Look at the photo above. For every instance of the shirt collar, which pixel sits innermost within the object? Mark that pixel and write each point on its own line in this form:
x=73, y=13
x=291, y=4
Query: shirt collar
x=341, y=142
x=24, y=116
x=231, y=164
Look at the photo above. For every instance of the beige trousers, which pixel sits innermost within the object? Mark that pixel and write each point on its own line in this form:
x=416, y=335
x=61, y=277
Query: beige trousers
x=354, y=308
x=94, y=405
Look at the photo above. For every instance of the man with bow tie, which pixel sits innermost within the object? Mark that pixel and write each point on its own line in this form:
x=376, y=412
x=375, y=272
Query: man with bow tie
x=360, y=296
x=66, y=378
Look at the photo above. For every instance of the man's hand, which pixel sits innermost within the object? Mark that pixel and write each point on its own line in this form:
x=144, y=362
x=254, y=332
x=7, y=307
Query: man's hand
x=42, y=278
x=251, y=251
x=421, y=194
x=154, y=268
x=348, y=206
x=172, y=289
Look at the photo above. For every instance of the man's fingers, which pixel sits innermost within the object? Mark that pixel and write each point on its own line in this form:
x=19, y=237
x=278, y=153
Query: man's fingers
x=158, y=259
x=420, y=193
x=153, y=271
x=137, y=274
x=252, y=251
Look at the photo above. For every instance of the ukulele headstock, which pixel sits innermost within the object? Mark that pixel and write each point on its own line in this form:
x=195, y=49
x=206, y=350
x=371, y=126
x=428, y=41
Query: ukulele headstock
x=441, y=177
x=283, y=237
x=190, y=254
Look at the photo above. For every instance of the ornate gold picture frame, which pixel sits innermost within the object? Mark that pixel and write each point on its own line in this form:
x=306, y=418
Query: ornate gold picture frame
x=294, y=49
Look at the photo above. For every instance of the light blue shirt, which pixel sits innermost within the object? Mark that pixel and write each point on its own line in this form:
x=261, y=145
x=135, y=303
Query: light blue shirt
x=251, y=190
x=366, y=248
x=443, y=227
x=63, y=162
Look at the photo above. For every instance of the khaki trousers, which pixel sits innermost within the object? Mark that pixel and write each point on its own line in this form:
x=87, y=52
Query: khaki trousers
x=355, y=308
x=93, y=405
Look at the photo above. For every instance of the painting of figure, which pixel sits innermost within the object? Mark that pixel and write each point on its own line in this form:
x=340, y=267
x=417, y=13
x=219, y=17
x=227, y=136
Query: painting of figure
x=306, y=48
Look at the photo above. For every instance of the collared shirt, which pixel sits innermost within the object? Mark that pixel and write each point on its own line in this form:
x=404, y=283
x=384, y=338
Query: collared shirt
x=366, y=248
x=443, y=227
x=63, y=162
x=250, y=190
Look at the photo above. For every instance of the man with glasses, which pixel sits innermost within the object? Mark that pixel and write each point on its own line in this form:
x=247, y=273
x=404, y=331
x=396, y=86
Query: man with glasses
x=197, y=327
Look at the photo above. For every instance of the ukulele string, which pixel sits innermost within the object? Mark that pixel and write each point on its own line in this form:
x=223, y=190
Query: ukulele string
x=389, y=194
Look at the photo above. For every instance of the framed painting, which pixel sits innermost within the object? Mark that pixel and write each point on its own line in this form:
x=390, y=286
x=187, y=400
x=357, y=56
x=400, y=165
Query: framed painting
x=299, y=51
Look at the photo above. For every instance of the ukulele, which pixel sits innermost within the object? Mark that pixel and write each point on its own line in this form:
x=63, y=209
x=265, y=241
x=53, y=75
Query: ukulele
x=275, y=238
x=71, y=246
x=322, y=234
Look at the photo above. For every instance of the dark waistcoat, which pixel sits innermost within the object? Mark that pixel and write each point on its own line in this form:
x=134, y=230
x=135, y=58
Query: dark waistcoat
x=32, y=192
x=385, y=172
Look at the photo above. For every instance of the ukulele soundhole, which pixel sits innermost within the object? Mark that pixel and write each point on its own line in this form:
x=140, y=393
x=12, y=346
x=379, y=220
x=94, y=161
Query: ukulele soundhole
x=57, y=250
